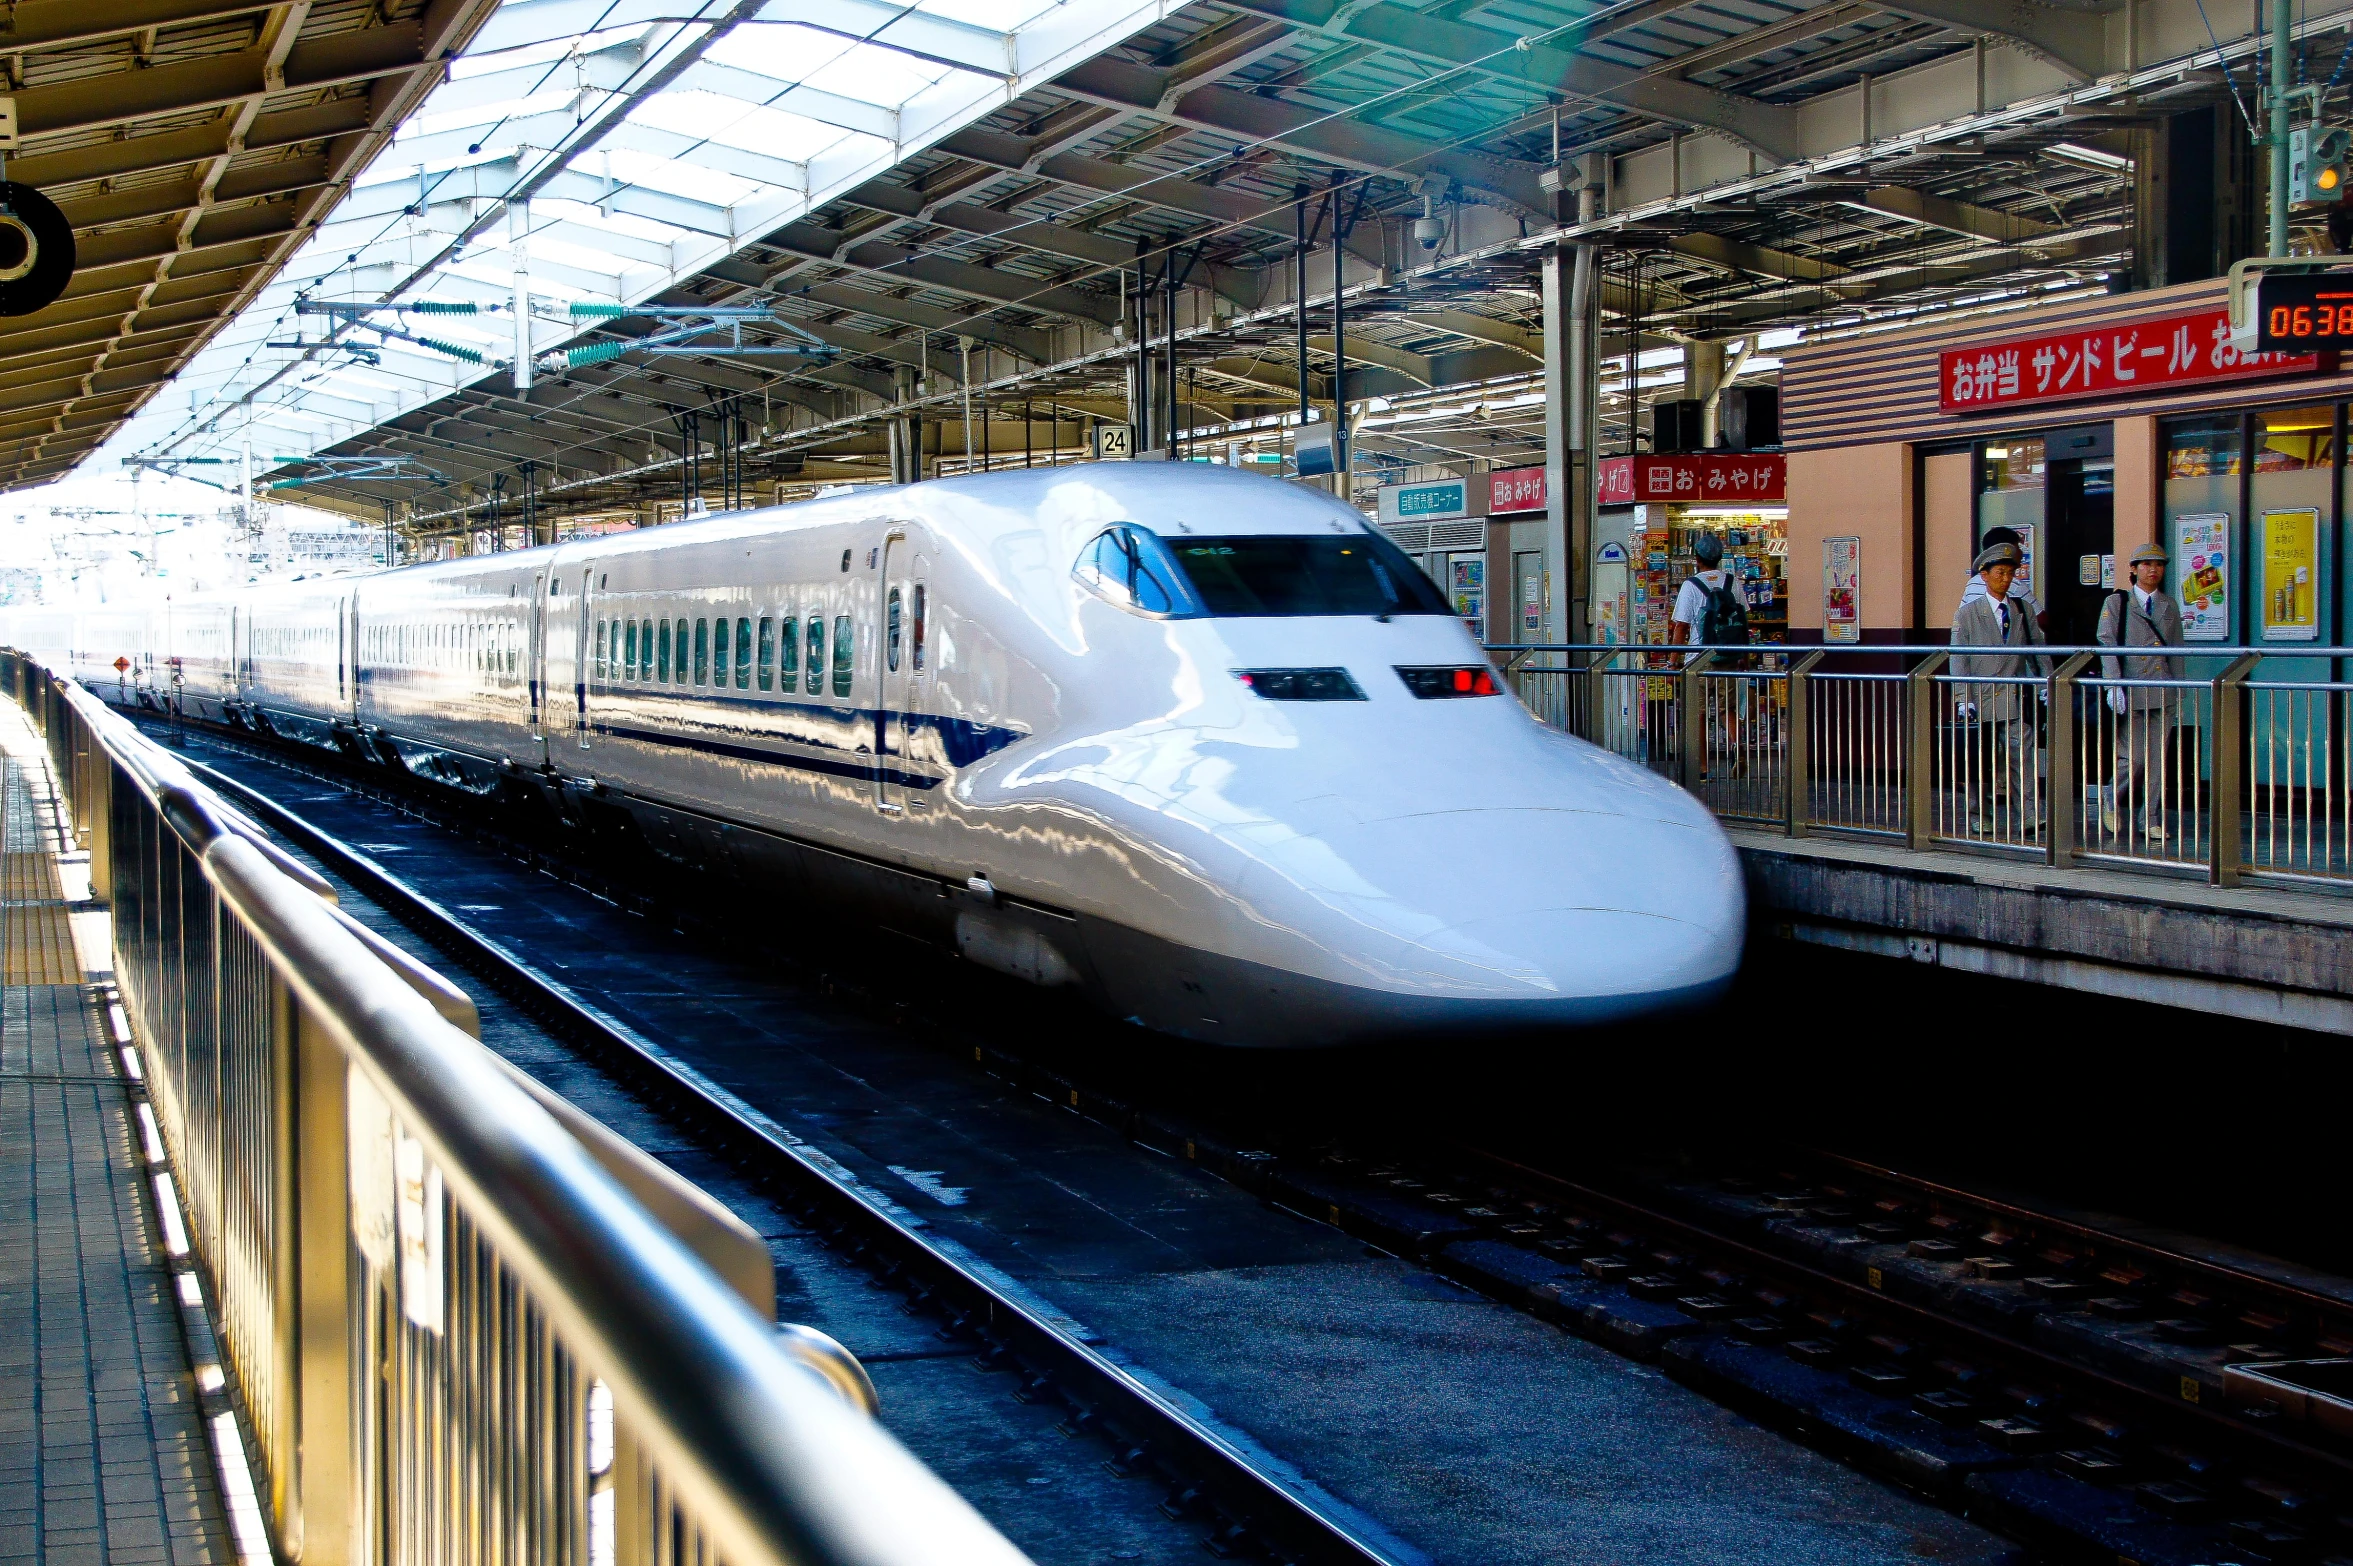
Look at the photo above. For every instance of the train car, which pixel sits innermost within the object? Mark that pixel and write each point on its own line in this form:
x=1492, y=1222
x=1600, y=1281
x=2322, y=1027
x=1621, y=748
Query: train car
x=1202, y=745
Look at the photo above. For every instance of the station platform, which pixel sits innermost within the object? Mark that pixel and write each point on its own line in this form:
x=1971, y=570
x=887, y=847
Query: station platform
x=105, y=1433
x=2257, y=953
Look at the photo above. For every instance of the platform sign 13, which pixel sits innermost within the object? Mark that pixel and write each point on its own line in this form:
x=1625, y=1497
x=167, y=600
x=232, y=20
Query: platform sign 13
x=2298, y=312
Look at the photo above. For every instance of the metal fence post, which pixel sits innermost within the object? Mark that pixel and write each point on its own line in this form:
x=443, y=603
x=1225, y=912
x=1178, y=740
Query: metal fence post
x=320, y=1222
x=1691, y=718
x=1920, y=748
x=1797, y=762
x=1596, y=683
x=2066, y=788
x=2227, y=791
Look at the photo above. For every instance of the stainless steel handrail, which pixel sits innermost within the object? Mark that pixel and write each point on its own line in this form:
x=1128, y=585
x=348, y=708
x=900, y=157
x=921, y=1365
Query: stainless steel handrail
x=757, y=1452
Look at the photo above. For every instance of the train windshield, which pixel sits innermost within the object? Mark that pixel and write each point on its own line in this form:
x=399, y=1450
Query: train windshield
x=1261, y=575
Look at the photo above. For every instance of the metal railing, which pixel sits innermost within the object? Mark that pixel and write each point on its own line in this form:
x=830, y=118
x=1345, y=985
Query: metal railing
x=464, y=1323
x=2231, y=762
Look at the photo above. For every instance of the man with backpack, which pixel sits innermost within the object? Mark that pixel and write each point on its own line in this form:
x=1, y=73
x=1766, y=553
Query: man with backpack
x=1709, y=612
x=2141, y=616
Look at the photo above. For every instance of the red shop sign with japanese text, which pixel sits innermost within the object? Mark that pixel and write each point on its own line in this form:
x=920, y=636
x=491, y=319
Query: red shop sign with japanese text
x=2179, y=350
x=1704, y=478
x=1515, y=489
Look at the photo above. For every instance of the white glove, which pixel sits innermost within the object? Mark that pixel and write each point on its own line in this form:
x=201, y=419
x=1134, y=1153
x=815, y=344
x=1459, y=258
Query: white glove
x=2116, y=702
x=2042, y=693
x=1966, y=712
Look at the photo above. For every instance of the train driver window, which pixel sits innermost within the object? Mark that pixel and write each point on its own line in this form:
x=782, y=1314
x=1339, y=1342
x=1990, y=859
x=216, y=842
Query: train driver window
x=890, y=634
x=702, y=652
x=842, y=647
x=816, y=658
x=743, y=653
x=767, y=651
x=1128, y=566
x=629, y=652
x=918, y=628
x=788, y=649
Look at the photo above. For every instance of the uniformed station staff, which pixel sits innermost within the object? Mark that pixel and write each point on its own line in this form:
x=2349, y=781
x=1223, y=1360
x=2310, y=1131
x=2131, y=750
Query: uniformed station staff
x=2141, y=616
x=2002, y=791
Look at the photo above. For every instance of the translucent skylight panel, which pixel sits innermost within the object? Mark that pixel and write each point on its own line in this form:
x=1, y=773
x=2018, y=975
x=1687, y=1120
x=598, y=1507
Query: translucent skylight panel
x=681, y=177
x=488, y=115
x=786, y=54
x=874, y=73
x=998, y=16
x=621, y=225
x=734, y=123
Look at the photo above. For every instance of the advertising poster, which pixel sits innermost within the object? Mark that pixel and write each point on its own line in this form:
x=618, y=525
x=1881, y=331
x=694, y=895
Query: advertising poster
x=1842, y=590
x=2023, y=582
x=2201, y=561
x=2291, y=575
x=1468, y=589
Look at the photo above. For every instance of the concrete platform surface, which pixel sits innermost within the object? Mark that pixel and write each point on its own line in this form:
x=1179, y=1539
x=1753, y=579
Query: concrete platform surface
x=103, y=1451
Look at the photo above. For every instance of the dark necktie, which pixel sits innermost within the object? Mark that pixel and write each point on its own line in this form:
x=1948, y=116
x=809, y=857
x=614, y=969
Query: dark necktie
x=2002, y=611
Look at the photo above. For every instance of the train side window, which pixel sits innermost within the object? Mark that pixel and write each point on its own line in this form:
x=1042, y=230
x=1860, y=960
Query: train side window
x=719, y=653
x=890, y=633
x=918, y=627
x=685, y=659
x=767, y=651
x=629, y=652
x=600, y=649
x=843, y=646
x=613, y=652
x=816, y=658
x=702, y=652
x=788, y=647
x=662, y=651
x=743, y=653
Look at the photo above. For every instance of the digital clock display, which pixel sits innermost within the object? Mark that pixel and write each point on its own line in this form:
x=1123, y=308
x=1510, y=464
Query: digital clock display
x=2304, y=311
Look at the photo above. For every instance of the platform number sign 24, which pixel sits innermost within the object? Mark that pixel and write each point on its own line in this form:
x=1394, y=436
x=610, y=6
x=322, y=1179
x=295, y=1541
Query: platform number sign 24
x=1114, y=441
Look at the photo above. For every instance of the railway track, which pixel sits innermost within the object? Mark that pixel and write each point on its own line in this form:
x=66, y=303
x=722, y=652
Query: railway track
x=1946, y=1340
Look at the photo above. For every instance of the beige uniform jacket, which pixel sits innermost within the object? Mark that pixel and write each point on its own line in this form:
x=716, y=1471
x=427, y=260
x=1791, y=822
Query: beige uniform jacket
x=2160, y=626
x=1977, y=625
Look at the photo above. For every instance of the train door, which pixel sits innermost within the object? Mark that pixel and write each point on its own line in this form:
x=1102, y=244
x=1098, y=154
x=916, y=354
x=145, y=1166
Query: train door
x=897, y=681
x=535, y=652
x=585, y=653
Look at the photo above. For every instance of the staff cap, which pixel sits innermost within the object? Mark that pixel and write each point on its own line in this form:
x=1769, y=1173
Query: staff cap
x=1998, y=554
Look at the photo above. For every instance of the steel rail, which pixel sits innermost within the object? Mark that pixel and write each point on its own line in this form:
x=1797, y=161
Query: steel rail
x=1197, y=1456
x=775, y=1466
x=2283, y=1290
x=1755, y=1258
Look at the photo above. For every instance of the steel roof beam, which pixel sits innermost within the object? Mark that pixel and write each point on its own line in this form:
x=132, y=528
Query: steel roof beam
x=2075, y=43
x=1771, y=129
x=1334, y=139
x=99, y=103
x=1954, y=217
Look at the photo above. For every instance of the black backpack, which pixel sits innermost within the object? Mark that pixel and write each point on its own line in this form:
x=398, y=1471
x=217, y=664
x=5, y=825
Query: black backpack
x=1724, y=622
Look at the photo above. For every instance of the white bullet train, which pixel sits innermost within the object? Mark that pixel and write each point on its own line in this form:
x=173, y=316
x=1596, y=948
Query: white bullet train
x=1199, y=743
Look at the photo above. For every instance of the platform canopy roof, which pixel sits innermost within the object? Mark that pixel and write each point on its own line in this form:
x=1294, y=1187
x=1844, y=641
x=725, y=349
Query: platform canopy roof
x=622, y=146
x=972, y=185
x=191, y=144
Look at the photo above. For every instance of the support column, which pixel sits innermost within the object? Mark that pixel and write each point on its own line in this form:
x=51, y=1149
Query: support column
x=1572, y=405
x=906, y=442
x=1703, y=377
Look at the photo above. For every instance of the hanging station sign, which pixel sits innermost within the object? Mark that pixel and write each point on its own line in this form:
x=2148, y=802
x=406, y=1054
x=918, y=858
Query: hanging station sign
x=1443, y=500
x=1698, y=479
x=2172, y=351
x=1515, y=489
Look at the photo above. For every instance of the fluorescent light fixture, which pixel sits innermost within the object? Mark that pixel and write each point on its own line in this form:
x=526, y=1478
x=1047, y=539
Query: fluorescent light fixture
x=2087, y=157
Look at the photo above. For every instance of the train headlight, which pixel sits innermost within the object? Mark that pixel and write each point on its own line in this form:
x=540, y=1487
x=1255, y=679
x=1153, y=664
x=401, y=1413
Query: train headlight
x=1443, y=683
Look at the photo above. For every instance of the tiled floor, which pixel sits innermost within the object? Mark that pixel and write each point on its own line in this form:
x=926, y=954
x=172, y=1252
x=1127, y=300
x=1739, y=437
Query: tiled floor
x=103, y=1455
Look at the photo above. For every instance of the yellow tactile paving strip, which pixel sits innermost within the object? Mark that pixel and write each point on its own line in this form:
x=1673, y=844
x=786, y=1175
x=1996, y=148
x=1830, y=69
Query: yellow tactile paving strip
x=36, y=941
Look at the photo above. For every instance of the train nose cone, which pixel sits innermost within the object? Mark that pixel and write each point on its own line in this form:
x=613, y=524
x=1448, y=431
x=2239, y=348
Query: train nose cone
x=1528, y=915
